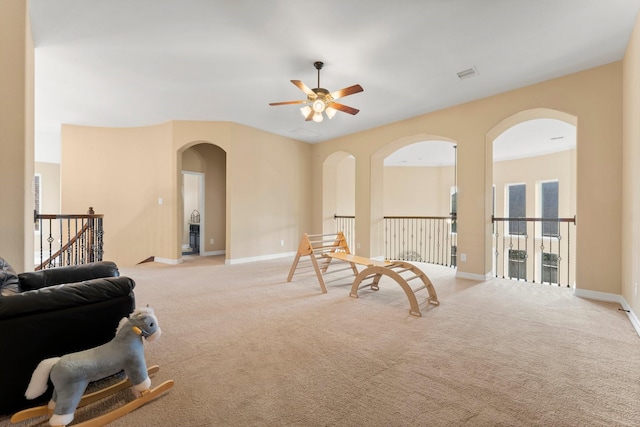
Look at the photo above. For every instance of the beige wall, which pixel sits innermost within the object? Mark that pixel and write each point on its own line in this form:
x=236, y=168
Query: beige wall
x=425, y=191
x=630, y=217
x=532, y=171
x=267, y=181
x=338, y=189
x=345, y=191
x=418, y=191
x=16, y=135
x=123, y=174
x=593, y=96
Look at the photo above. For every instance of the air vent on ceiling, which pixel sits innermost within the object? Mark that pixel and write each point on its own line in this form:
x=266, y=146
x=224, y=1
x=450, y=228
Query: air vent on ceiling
x=468, y=73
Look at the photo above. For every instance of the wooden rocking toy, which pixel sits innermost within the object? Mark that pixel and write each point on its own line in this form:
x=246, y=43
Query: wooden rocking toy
x=70, y=374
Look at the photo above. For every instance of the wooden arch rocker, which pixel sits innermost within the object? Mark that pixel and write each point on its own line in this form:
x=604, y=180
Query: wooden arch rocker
x=395, y=270
x=328, y=247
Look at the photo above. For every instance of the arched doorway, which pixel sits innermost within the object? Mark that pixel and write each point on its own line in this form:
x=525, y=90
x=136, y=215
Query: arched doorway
x=338, y=195
x=208, y=162
x=419, y=200
x=534, y=197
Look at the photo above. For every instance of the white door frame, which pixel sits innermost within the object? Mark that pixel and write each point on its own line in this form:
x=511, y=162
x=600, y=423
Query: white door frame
x=201, y=204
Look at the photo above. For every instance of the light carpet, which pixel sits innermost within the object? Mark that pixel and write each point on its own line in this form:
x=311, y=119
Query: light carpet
x=247, y=348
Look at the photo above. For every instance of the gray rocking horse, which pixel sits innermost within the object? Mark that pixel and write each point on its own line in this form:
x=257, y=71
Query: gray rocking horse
x=71, y=373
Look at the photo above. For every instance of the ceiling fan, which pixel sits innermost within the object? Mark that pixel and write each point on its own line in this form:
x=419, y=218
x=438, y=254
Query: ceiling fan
x=320, y=100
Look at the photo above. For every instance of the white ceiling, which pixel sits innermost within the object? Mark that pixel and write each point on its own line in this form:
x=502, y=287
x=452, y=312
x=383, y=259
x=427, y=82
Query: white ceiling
x=143, y=62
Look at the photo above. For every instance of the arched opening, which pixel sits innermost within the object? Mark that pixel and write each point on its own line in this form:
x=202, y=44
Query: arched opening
x=419, y=203
x=338, y=195
x=534, y=198
x=202, y=219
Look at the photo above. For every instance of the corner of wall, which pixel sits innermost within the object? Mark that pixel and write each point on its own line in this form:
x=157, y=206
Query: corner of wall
x=603, y=296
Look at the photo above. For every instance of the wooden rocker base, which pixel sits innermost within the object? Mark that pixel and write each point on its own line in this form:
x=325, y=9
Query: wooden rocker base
x=394, y=270
x=39, y=411
x=128, y=407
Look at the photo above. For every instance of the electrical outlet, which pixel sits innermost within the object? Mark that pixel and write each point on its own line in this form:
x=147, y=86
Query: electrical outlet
x=281, y=242
x=211, y=241
x=357, y=245
x=463, y=257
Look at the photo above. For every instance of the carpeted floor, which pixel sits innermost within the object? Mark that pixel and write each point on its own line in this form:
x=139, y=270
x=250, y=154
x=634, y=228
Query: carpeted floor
x=246, y=348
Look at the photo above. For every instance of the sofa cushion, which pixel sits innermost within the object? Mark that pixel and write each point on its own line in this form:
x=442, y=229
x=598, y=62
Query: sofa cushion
x=9, y=283
x=68, y=274
x=59, y=297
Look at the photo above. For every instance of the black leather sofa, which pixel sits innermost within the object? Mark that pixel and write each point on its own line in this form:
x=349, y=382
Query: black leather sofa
x=51, y=313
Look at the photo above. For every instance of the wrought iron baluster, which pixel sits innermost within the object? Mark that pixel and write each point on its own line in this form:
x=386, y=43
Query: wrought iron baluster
x=81, y=245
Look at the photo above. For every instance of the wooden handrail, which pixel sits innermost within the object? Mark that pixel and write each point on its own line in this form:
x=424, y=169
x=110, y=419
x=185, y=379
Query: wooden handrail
x=493, y=219
x=72, y=216
x=419, y=217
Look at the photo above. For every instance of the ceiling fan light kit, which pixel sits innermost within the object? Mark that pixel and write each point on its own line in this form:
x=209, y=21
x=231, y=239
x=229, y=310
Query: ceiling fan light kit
x=320, y=100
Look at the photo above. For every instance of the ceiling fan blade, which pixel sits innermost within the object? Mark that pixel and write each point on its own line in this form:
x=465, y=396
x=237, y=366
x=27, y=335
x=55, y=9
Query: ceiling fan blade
x=288, y=102
x=303, y=87
x=343, y=108
x=346, y=91
x=310, y=115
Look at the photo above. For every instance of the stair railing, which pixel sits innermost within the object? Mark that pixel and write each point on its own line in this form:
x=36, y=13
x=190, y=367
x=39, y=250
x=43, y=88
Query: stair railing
x=68, y=239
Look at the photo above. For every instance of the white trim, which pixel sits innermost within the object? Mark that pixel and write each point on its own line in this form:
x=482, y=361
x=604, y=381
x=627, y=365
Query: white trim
x=259, y=258
x=472, y=276
x=604, y=296
x=201, y=204
x=167, y=260
x=38, y=177
x=212, y=253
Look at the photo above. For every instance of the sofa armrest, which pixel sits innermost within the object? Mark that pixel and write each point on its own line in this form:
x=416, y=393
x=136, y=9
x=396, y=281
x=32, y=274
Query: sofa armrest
x=65, y=296
x=69, y=274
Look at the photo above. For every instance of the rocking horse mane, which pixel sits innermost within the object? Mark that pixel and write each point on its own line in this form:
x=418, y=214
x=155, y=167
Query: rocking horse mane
x=138, y=312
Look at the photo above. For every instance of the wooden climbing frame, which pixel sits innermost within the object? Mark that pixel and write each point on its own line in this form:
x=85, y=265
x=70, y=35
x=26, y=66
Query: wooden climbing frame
x=327, y=247
x=316, y=246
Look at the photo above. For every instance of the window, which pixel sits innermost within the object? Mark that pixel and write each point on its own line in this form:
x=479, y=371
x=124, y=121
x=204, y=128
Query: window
x=549, y=268
x=517, y=264
x=454, y=210
x=493, y=209
x=454, y=256
x=38, y=199
x=517, y=208
x=549, y=207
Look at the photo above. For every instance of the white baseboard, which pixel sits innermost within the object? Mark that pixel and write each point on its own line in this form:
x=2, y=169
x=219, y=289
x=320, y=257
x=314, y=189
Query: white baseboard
x=213, y=253
x=604, y=296
x=472, y=276
x=259, y=258
x=167, y=260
